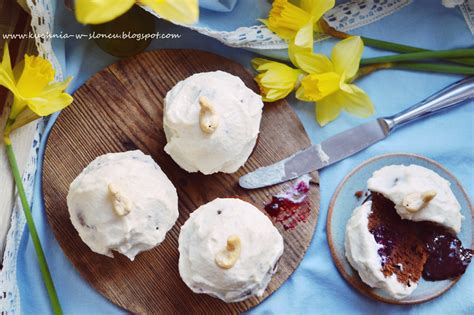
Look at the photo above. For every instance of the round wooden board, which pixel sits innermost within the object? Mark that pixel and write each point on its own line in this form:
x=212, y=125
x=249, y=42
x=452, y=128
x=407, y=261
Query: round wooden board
x=121, y=108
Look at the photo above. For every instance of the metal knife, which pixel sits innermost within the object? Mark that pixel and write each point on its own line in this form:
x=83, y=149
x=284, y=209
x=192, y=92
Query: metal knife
x=356, y=139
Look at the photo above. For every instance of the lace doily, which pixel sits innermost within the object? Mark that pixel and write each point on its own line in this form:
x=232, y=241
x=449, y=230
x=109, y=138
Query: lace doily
x=344, y=17
x=42, y=20
x=467, y=10
x=9, y=293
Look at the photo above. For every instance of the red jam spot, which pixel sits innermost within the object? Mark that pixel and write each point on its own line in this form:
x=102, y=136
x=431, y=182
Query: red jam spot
x=291, y=207
x=447, y=259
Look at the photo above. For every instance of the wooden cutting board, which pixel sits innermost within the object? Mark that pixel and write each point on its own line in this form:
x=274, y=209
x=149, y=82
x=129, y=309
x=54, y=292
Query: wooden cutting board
x=121, y=108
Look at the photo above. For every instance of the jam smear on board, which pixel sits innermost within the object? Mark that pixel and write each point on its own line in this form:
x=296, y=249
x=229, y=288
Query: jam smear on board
x=291, y=207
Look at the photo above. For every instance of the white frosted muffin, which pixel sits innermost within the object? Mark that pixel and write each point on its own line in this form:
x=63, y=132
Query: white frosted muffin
x=122, y=202
x=211, y=121
x=408, y=185
x=228, y=249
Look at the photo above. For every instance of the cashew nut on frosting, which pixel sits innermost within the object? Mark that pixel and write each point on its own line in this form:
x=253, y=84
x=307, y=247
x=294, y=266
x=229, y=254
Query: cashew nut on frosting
x=208, y=118
x=122, y=205
x=227, y=257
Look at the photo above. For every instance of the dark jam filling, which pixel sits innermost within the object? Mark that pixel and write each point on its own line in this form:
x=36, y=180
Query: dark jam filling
x=447, y=257
x=292, y=207
x=387, y=239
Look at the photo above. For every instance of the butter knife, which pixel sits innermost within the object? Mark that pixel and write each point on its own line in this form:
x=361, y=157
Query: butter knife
x=356, y=139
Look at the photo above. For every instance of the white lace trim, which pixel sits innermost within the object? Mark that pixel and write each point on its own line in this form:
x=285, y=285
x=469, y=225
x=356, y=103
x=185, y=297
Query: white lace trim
x=42, y=21
x=9, y=293
x=344, y=17
x=467, y=10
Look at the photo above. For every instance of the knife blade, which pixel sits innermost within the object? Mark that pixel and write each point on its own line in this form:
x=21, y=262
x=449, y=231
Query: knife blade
x=354, y=140
x=317, y=156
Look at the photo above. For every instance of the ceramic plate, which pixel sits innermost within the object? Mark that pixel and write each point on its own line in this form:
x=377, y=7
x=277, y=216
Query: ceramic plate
x=344, y=201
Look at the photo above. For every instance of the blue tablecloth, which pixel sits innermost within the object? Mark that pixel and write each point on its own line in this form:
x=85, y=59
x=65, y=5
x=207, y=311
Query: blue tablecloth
x=316, y=286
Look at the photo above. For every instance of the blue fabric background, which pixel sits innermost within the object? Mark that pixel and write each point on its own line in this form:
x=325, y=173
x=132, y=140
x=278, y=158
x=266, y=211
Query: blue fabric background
x=316, y=286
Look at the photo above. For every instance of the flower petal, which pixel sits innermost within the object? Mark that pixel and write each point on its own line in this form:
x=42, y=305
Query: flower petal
x=47, y=106
x=317, y=8
x=6, y=73
x=328, y=109
x=257, y=62
x=6, y=64
x=346, y=56
x=100, y=11
x=305, y=59
x=51, y=99
x=182, y=12
x=357, y=103
x=55, y=88
x=304, y=37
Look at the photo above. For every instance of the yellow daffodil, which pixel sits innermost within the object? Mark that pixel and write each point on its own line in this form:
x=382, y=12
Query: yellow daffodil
x=329, y=81
x=102, y=11
x=298, y=23
x=34, y=92
x=276, y=80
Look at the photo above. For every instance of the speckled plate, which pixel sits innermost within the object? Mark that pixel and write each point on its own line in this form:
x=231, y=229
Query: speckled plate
x=344, y=201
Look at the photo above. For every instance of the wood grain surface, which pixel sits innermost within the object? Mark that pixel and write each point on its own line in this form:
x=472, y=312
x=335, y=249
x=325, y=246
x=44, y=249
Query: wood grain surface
x=121, y=108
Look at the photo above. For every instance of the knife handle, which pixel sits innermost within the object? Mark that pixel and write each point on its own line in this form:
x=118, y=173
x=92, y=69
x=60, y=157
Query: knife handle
x=453, y=95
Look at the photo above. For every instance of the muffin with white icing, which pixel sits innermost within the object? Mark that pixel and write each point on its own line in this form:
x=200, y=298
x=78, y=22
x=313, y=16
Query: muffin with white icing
x=228, y=249
x=211, y=121
x=419, y=194
x=406, y=231
x=122, y=202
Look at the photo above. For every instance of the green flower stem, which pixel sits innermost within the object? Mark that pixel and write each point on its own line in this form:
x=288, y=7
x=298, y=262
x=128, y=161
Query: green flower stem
x=408, y=49
x=48, y=281
x=430, y=67
x=440, y=54
x=381, y=44
x=426, y=67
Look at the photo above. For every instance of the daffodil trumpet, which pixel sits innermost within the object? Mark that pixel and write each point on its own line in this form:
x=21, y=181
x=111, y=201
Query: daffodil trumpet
x=35, y=94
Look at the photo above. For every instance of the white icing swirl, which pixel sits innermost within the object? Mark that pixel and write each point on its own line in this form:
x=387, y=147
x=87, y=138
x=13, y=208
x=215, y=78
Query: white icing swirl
x=122, y=202
x=205, y=234
x=227, y=148
x=401, y=182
